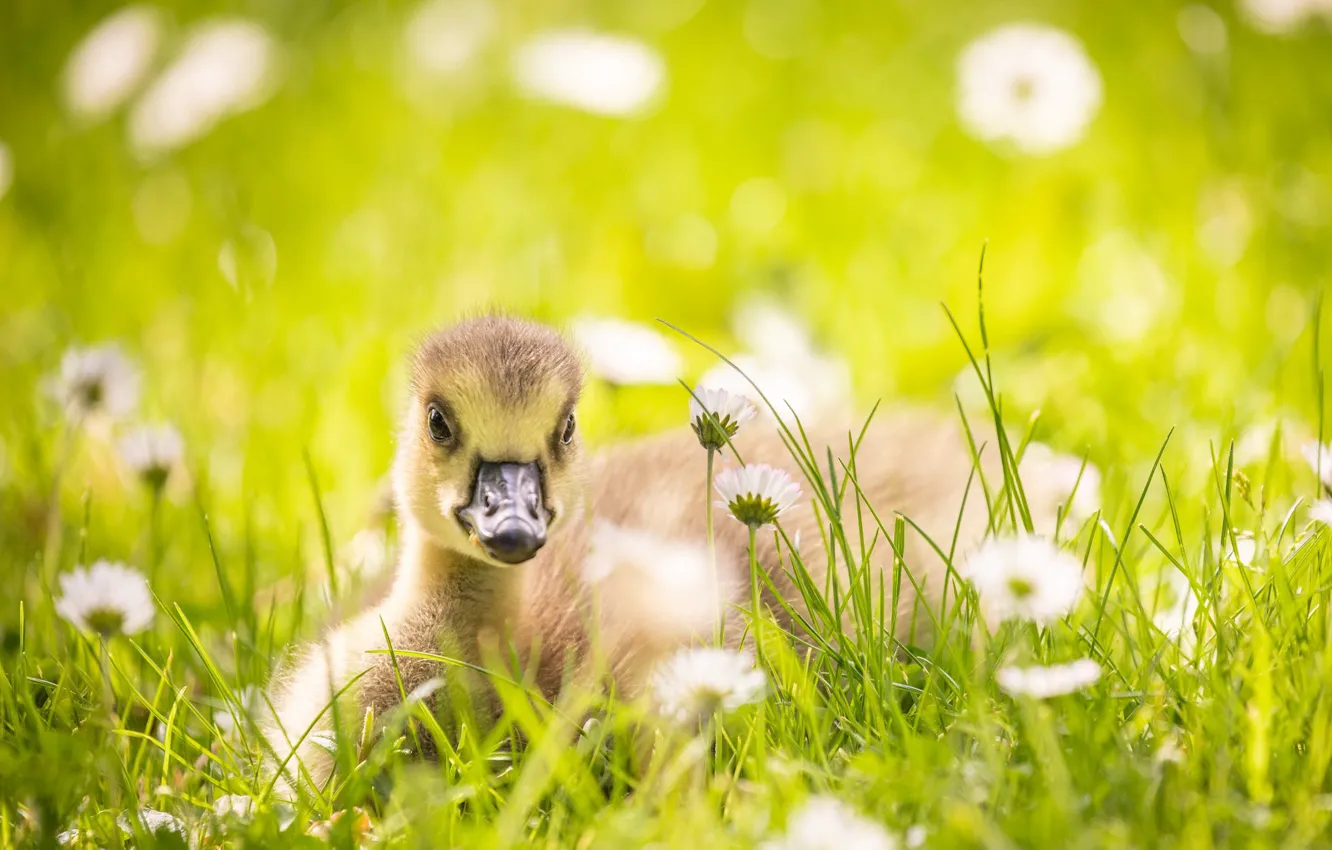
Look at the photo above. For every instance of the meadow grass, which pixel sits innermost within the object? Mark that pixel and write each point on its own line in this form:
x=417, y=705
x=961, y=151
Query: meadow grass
x=1216, y=731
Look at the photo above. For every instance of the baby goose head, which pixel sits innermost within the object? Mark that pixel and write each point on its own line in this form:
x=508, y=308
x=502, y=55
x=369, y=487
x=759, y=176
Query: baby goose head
x=487, y=461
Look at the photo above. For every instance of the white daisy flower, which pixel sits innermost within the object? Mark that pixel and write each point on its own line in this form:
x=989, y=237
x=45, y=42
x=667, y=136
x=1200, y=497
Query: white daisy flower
x=109, y=63
x=6, y=169
x=237, y=806
x=1244, y=550
x=826, y=823
x=756, y=494
x=1175, y=615
x=1029, y=84
x=627, y=353
x=106, y=598
x=596, y=72
x=1319, y=457
x=1023, y=578
x=1282, y=16
x=660, y=586
x=152, y=822
x=915, y=836
x=782, y=360
x=1045, y=682
x=695, y=684
x=716, y=415
x=226, y=66
x=96, y=380
x=368, y=554
x=1321, y=511
x=248, y=699
x=152, y=452
x=444, y=36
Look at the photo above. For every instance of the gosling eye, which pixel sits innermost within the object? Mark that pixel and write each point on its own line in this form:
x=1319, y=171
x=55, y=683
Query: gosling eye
x=568, y=435
x=440, y=431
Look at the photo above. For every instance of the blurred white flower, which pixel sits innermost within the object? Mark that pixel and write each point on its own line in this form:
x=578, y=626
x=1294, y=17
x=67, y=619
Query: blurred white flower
x=1283, y=16
x=249, y=699
x=1122, y=291
x=96, y=380
x=152, y=822
x=152, y=452
x=237, y=806
x=1044, y=682
x=1030, y=84
x=915, y=836
x=107, y=66
x=660, y=587
x=756, y=494
x=1321, y=511
x=596, y=72
x=107, y=598
x=6, y=169
x=443, y=36
x=826, y=823
x=367, y=555
x=627, y=353
x=782, y=360
x=1319, y=457
x=716, y=415
x=695, y=684
x=1176, y=608
x=1243, y=551
x=1202, y=29
x=226, y=66
x=1023, y=578
x=1061, y=474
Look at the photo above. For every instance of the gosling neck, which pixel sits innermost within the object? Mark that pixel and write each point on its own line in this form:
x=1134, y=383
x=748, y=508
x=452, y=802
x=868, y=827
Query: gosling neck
x=427, y=570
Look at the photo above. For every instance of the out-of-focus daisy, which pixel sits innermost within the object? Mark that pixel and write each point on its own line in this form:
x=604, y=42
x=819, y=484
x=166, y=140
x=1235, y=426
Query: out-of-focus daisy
x=716, y=416
x=249, y=699
x=697, y=683
x=1244, y=550
x=152, y=822
x=1321, y=511
x=1177, y=604
x=782, y=360
x=107, y=598
x=6, y=169
x=1023, y=578
x=444, y=36
x=237, y=806
x=1319, y=457
x=627, y=353
x=826, y=823
x=1282, y=16
x=1045, y=682
x=109, y=63
x=1029, y=84
x=915, y=836
x=96, y=380
x=367, y=555
x=226, y=66
x=659, y=587
x=756, y=494
x=152, y=452
x=596, y=72
x=1076, y=485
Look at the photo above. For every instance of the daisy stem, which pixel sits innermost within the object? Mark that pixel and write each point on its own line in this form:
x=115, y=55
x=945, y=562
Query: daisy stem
x=754, y=591
x=54, y=535
x=108, y=692
x=712, y=554
x=154, y=536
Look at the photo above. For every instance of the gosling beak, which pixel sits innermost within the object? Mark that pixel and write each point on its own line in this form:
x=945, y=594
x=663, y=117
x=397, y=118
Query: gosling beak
x=506, y=517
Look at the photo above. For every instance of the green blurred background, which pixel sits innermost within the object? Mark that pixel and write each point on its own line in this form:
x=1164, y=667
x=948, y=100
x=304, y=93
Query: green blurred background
x=270, y=275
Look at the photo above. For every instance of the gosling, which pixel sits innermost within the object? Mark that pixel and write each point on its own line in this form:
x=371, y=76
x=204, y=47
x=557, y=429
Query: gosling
x=496, y=506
